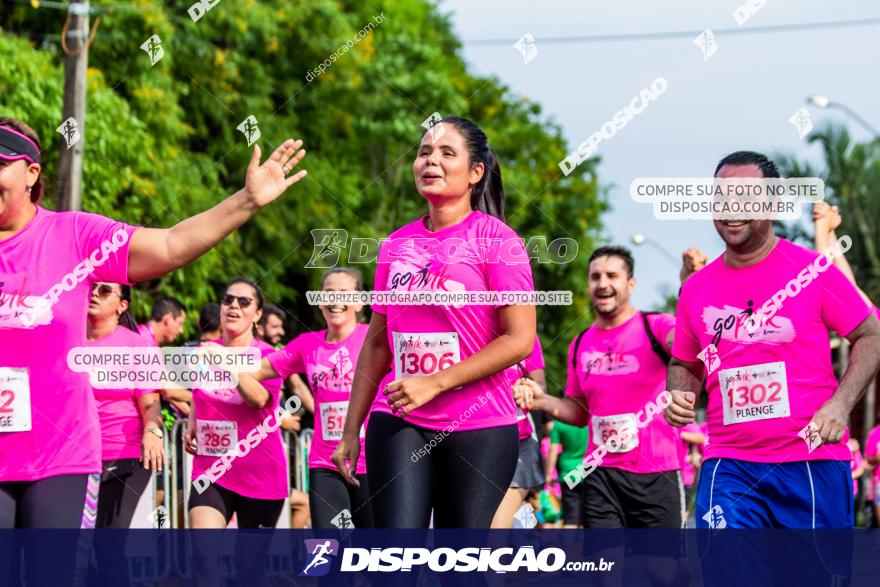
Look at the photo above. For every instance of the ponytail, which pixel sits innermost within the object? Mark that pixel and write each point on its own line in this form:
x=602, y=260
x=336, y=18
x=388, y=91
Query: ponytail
x=488, y=195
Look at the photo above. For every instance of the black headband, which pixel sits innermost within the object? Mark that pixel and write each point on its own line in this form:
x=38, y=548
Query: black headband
x=15, y=146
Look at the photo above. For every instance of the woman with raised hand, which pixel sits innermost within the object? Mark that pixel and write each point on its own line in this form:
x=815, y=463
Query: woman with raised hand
x=49, y=431
x=442, y=435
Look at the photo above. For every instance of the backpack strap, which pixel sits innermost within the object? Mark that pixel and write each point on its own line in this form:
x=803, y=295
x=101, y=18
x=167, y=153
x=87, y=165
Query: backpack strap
x=656, y=345
x=577, y=345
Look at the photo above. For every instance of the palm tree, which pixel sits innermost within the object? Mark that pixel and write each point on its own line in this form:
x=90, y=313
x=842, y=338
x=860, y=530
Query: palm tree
x=852, y=177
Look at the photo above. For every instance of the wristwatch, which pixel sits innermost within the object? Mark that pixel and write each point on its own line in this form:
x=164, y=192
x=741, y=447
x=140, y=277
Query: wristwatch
x=157, y=431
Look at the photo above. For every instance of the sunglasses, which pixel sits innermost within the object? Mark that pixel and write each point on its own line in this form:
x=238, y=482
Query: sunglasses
x=243, y=302
x=105, y=290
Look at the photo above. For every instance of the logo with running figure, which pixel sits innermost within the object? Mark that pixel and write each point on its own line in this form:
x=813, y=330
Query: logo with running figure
x=706, y=42
x=709, y=356
x=153, y=48
x=250, y=128
x=320, y=553
x=70, y=131
x=341, y=361
x=715, y=518
x=327, y=248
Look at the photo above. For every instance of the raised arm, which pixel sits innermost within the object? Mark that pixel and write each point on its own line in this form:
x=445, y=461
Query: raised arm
x=156, y=251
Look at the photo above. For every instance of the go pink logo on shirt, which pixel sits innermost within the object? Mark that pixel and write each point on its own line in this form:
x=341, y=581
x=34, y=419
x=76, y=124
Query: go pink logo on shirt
x=411, y=277
x=609, y=363
x=337, y=374
x=730, y=323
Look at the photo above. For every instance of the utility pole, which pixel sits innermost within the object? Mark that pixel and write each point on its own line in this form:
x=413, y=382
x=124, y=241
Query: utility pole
x=75, y=42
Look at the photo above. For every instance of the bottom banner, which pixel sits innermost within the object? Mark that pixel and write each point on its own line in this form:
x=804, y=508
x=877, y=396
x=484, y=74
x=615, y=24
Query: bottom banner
x=440, y=557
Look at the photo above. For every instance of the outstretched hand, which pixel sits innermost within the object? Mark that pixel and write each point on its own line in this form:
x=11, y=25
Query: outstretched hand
x=265, y=182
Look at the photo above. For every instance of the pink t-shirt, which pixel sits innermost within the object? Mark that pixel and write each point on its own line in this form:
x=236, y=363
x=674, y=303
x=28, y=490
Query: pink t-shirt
x=122, y=427
x=775, y=379
x=329, y=368
x=617, y=374
x=872, y=450
x=855, y=462
x=147, y=332
x=49, y=407
x=481, y=253
x=262, y=473
x=688, y=472
x=533, y=362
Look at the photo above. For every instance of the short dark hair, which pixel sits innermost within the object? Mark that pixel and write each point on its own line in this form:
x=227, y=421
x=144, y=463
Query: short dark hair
x=209, y=317
x=768, y=168
x=616, y=251
x=166, y=305
x=271, y=310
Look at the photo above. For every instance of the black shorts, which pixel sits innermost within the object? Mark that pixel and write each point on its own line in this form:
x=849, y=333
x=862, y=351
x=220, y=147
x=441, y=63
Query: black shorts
x=619, y=499
x=529, y=466
x=573, y=504
x=252, y=512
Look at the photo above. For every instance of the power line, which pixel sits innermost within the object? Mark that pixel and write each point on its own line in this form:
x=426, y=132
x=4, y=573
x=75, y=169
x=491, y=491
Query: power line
x=782, y=28
x=68, y=6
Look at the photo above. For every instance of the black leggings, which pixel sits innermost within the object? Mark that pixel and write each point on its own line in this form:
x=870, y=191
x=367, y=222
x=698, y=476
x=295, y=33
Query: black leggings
x=54, y=502
x=329, y=494
x=120, y=493
x=461, y=476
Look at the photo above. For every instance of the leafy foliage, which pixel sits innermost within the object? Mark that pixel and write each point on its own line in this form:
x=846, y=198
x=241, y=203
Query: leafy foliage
x=851, y=173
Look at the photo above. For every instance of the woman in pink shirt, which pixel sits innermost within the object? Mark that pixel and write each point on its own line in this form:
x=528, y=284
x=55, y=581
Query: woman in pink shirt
x=327, y=358
x=50, y=437
x=131, y=419
x=442, y=435
x=254, y=485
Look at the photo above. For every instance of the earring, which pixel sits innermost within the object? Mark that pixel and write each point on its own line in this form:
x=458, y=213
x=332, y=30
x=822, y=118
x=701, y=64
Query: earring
x=29, y=188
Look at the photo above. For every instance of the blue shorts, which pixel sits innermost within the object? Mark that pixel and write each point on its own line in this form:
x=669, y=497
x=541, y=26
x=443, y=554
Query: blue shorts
x=803, y=494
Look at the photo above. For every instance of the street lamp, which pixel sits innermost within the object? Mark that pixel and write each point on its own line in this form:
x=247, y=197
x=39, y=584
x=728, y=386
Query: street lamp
x=640, y=239
x=824, y=102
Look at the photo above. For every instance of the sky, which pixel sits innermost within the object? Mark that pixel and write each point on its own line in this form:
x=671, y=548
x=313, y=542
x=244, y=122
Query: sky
x=742, y=97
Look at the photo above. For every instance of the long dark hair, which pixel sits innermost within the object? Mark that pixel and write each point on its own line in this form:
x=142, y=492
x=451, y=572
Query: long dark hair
x=126, y=319
x=488, y=194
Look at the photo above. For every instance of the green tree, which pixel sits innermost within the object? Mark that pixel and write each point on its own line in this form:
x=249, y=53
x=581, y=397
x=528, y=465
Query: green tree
x=851, y=172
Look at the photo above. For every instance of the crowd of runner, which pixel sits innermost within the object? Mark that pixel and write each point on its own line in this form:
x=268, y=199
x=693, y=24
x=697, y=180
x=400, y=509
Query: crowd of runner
x=436, y=415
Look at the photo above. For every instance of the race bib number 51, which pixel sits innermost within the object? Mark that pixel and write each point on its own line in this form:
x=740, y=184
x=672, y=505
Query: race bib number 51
x=424, y=353
x=215, y=438
x=15, y=400
x=755, y=392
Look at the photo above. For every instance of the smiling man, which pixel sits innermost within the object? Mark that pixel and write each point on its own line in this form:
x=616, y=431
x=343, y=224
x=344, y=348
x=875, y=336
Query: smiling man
x=615, y=369
x=777, y=415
